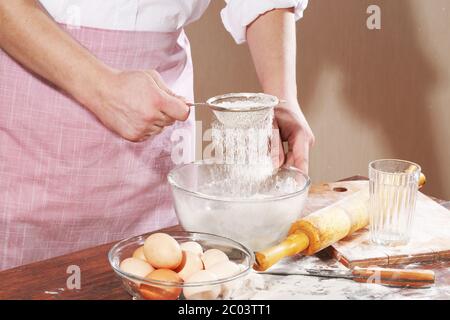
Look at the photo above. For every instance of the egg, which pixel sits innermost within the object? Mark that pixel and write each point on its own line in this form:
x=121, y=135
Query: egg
x=162, y=251
x=192, y=246
x=206, y=292
x=139, y=253
x=155, y=292
x=190, y=264
x=136, y=267
x=226, y=269
x=212, y=256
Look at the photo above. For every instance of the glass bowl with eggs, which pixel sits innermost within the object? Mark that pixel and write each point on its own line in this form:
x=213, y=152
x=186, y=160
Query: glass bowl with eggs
x=180, y=265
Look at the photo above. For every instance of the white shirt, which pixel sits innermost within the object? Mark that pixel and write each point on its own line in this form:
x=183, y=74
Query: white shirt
x=162, y=15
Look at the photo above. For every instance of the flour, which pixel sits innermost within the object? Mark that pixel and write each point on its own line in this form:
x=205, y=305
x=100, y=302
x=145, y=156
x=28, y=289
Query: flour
x=243, y=110
x=304, y=287
x=242, y=143
x=244, y=154
x=245, y=197
x=241, y=104
x=240, y=194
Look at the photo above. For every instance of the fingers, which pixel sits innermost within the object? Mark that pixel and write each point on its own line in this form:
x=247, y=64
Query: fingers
x=175, y=108
x=303, y=165
x=300, y=163
x=278, y=158
x=155, y=129
x=164, y=121
x=298, y=153
x=299, y=156
x=152, y=131
x=172, y=105
x=156, y=77
x=277, y=151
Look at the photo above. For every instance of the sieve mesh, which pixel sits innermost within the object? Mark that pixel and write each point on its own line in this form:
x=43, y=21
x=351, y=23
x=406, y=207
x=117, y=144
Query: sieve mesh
x=242, y=109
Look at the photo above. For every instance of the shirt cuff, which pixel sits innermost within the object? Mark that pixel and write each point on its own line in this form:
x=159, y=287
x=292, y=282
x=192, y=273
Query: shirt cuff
x=238, y=14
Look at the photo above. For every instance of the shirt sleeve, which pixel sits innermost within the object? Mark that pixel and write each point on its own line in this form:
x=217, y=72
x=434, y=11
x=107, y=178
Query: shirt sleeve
x=238, y=14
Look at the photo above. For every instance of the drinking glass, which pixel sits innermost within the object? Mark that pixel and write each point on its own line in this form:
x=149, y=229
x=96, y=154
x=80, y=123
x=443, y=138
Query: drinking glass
x=393, y=193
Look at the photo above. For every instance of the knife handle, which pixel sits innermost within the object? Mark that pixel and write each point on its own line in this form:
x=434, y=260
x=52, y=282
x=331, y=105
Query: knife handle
x=395, y=277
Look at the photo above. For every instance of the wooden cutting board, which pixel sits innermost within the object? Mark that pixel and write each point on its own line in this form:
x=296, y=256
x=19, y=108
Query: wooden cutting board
x=430, y=236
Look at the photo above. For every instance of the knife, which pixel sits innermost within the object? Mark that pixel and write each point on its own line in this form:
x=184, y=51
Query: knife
x=384, y=276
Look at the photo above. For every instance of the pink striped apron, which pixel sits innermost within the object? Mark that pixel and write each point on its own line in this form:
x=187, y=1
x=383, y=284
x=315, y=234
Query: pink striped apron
x=67, y=182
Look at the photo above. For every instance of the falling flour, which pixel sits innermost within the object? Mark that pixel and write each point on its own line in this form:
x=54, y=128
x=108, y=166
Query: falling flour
x=245, y=197
x=244, y=154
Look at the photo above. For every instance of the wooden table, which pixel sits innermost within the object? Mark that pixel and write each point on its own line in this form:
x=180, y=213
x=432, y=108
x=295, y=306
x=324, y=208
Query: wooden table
x=46, y=280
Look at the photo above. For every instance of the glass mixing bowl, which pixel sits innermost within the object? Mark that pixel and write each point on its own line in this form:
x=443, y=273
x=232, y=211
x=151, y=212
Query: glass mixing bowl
x=258, y=222
x=140, y=288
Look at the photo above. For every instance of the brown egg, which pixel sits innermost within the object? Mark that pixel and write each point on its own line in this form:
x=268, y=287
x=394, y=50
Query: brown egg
x=136, y=267
x=206, y=292
x=190, y=264
x=139, y=253
x=162, y=251
x=212, y=256
x=192, y=246
x=155, y=292
x=226, y=269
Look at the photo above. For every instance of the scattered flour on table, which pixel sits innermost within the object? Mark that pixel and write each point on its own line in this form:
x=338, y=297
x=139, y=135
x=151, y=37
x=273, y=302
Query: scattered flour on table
x=304, y=287
x=51, y=292
x=55, y=292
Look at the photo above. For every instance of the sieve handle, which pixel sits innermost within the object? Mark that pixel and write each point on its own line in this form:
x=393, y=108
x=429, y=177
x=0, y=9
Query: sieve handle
x=204, y=104
x=197, y=104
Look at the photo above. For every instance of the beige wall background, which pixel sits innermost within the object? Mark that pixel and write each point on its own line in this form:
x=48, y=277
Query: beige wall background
x=367, y=94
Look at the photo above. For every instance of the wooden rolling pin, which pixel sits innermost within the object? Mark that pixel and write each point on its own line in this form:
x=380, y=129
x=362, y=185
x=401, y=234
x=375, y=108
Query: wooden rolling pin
x=321, y=229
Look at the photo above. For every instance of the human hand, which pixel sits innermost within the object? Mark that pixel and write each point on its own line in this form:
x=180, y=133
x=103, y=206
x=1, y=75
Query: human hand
x=295, y=130
x=137, y=105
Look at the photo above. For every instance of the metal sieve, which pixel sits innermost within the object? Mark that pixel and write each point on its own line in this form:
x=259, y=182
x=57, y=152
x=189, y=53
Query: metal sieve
x=242, y=109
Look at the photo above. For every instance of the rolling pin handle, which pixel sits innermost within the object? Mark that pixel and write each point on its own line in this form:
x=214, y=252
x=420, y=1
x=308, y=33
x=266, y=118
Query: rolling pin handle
x=293, y=244
x=422, y=180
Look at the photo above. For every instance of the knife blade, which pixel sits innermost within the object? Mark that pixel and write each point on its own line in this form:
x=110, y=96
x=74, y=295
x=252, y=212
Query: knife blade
x=410, y=278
